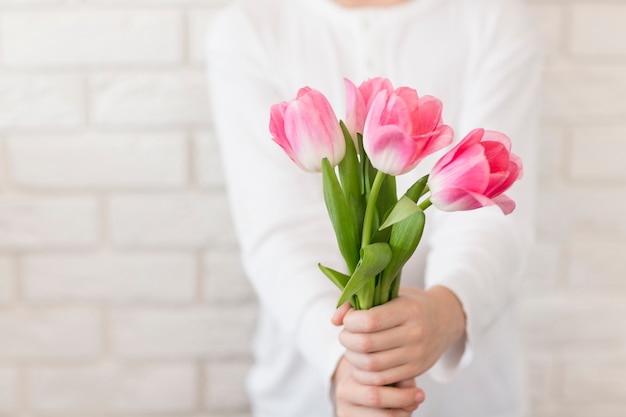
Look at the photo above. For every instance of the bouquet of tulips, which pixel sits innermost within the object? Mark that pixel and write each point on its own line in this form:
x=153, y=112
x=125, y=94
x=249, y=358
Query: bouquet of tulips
x=386, y=133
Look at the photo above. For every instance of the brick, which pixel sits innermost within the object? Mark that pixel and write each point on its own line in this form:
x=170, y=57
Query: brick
x=541, y=382
x=157, y=3
x=598, y=29
x=226, y=390
x=583, y=93
x=550, y=18
x=41, y=101
x=8, y=391
x=573, y=323
x=208, y=164
x=113, y=388
x=573, y=212
x=127, y=278
x=595, y=379
x=199, y=25
x=592, y=408
x=3, y=166
x=224, y=279
x=183, y=333
x=90, y=37
x=544, y=269
x=597, y=265
x=49, y=334
x=99, y=160
x=551, y=154
x=190, y=220
x=54, y=222
x=7, y=280
x=598, y=154
x=161, y=99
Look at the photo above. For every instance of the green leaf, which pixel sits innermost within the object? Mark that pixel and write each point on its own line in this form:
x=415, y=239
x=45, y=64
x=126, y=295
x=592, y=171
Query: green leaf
x=337, y=278
x=404, y=208
x=405, y=236
x=387, y=197
x=374, y=258
x=349, y=170
x=417, y=189
x=341, y=216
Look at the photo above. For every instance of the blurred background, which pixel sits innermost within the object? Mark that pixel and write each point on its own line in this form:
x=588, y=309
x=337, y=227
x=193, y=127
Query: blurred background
x=120, y=288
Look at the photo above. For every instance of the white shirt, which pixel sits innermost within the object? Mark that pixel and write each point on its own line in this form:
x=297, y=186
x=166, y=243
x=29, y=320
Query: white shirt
x=481, y=58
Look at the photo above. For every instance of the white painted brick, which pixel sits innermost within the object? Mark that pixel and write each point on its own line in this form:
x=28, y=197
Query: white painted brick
x=595, y=380
x=208, y=164
x=592, y=408
x=99, y=160
x=584, y=93
x=598, y=154
x=543, y=270
x=157, y=3
x=569, y=212
x=183, y=333
x=7, y=280
x=3, y=166
x=90, y=37
x=224, y=280
x=598, y=29
x=171, y=220
x=226, y=390
x=550, y=18
x=199, y=25
x=540, y=372
x=49, y=334
x=550, y=154
x=41, y=101
x=599, y=266
x=151, y=99
x=27, y=223
x=8, y=391
x=113, y=388
x=126, y=278
x=572, y=323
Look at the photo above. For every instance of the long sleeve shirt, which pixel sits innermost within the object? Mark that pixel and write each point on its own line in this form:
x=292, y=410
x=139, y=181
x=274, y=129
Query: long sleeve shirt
x=482, y=59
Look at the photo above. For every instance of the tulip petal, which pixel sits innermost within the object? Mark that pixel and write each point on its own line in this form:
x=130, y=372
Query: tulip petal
x=505, y=203
x=473, y=137
x=390, y=150
x=356, y=108
x=469, y=171
x=427, y=116
x=458, y=199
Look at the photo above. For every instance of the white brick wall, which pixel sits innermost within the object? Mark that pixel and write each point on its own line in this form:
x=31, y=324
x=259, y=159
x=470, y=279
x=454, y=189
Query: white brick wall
x=121, y=293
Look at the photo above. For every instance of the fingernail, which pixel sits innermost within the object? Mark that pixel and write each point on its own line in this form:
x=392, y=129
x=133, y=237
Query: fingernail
x=419, y=397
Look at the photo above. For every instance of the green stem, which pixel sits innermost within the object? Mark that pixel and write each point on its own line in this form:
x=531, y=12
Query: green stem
x=425, y=204
x=370, y=208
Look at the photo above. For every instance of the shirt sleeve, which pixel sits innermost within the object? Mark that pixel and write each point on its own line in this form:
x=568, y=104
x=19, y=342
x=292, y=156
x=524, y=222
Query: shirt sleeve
x=480, y=255
x=277, y=209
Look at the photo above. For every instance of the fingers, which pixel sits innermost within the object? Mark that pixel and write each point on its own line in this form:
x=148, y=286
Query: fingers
x=340, y=313
x=388, y=376
x=378, y=361
x=380, y=397
x=357, y=411
x=378, y=318
x=376, y=342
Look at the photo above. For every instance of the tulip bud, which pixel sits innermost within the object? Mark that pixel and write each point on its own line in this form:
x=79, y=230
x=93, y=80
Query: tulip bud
x=308, y=130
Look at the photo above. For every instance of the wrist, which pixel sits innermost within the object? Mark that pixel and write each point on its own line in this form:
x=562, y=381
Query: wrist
x=451, y=311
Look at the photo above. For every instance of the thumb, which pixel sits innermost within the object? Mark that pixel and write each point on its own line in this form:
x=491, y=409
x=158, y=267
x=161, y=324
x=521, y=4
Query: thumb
x=340, y=313
x=420, y=396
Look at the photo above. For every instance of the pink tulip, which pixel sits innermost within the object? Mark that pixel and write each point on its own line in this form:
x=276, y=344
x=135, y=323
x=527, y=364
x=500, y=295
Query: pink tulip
x=401, y=129
x=476, y=173
x=308, y=130
x=359, y=100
